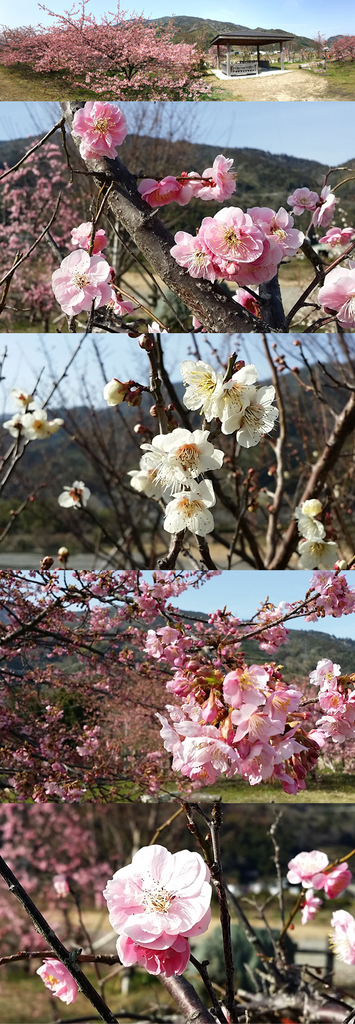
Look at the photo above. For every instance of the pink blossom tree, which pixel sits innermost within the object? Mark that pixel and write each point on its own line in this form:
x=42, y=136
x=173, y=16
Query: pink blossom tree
x=122, y=56
x=98, y=675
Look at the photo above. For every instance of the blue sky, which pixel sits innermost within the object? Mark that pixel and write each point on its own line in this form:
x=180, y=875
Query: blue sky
x=317, y=131
x=298, y=16
x=28, y=354
x=240, y=592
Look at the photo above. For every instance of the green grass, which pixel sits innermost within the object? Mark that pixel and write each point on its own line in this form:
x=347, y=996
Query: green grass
x=19, y=83
x=341, y=80
x=328, y=788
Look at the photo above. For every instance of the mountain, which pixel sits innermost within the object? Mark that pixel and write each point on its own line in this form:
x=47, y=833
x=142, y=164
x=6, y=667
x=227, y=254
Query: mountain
x=203, y=30
x=263, y=178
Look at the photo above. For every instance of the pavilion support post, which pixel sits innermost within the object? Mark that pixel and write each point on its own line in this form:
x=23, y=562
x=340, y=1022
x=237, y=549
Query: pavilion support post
x=218, y=60
x=257, y=57
x=228, y=60
x=281, y=57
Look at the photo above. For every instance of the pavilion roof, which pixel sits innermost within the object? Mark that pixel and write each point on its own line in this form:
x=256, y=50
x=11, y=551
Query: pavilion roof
x=253, y=36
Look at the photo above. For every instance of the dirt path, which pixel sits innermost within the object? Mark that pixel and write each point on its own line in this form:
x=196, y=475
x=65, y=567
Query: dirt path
x=295, y=85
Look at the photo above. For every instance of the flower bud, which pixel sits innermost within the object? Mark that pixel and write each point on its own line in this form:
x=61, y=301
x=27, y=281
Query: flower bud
x=116, y=392
x=134, y=397
x=146, y=342
x=63, y=555
x=47, y=562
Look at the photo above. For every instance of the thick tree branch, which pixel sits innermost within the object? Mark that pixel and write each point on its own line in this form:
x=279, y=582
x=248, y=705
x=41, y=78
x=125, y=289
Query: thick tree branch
x=215, y=310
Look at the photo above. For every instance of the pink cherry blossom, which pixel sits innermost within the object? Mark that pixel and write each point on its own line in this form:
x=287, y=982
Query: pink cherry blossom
x=81, y=236
x=61, y=885
x=308, y=868
x=246, y=684
x=325, y=675
x=169, y=962
x=102, y=127
x=302, y=199
x=338, y=295
x=159, y=896
x=336, y=881
x=57, y=978
x=80, y=280
x=311, y=906
x=343, y=937
x=259, y=727
x=191, y=253
x=324, y=213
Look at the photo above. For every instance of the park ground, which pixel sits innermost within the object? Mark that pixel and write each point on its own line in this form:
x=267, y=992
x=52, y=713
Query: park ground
x=19, y=83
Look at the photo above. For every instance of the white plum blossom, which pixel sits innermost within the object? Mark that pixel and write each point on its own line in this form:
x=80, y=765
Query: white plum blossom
x=37, y=426
x=15, y=425
x=21, y=399
x=76, y=496
x=202, y=381
x=310, y=527
x=315, y=554
x=258, y=418
x=181, y=456
x=145, y=481
x=190, y=510
x=234, y=395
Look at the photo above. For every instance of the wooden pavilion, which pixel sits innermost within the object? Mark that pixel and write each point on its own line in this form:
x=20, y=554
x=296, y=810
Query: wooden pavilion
x=249, y=38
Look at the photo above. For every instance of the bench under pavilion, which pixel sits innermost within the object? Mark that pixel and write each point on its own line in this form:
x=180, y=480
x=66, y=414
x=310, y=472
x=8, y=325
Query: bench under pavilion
x=252, y=39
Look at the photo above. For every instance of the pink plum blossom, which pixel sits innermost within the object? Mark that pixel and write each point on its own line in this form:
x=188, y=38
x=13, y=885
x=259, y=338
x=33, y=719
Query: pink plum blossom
x=190, y=252
x=337, y=880
x=308, y=869
x=278, y=227
x=102, y=127
x=337, y=294
x=338, y=236
x=264, y=268
x=223, y=181
x=302, y=199
x=343, y=936
x=311, y=906
x=168, y=190
x=160, y=896
x=57, y=978
x=81, y=280
x=324, y=213
x=169, y=962
x=247, y=301
x=119, y=305
x=81, y=236
x=232, y=238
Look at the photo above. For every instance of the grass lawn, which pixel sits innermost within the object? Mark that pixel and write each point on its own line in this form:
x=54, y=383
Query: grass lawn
x=341, y=80
x=20, y=83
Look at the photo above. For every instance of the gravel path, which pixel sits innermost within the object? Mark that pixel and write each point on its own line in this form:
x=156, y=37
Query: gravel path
x=296, y=85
